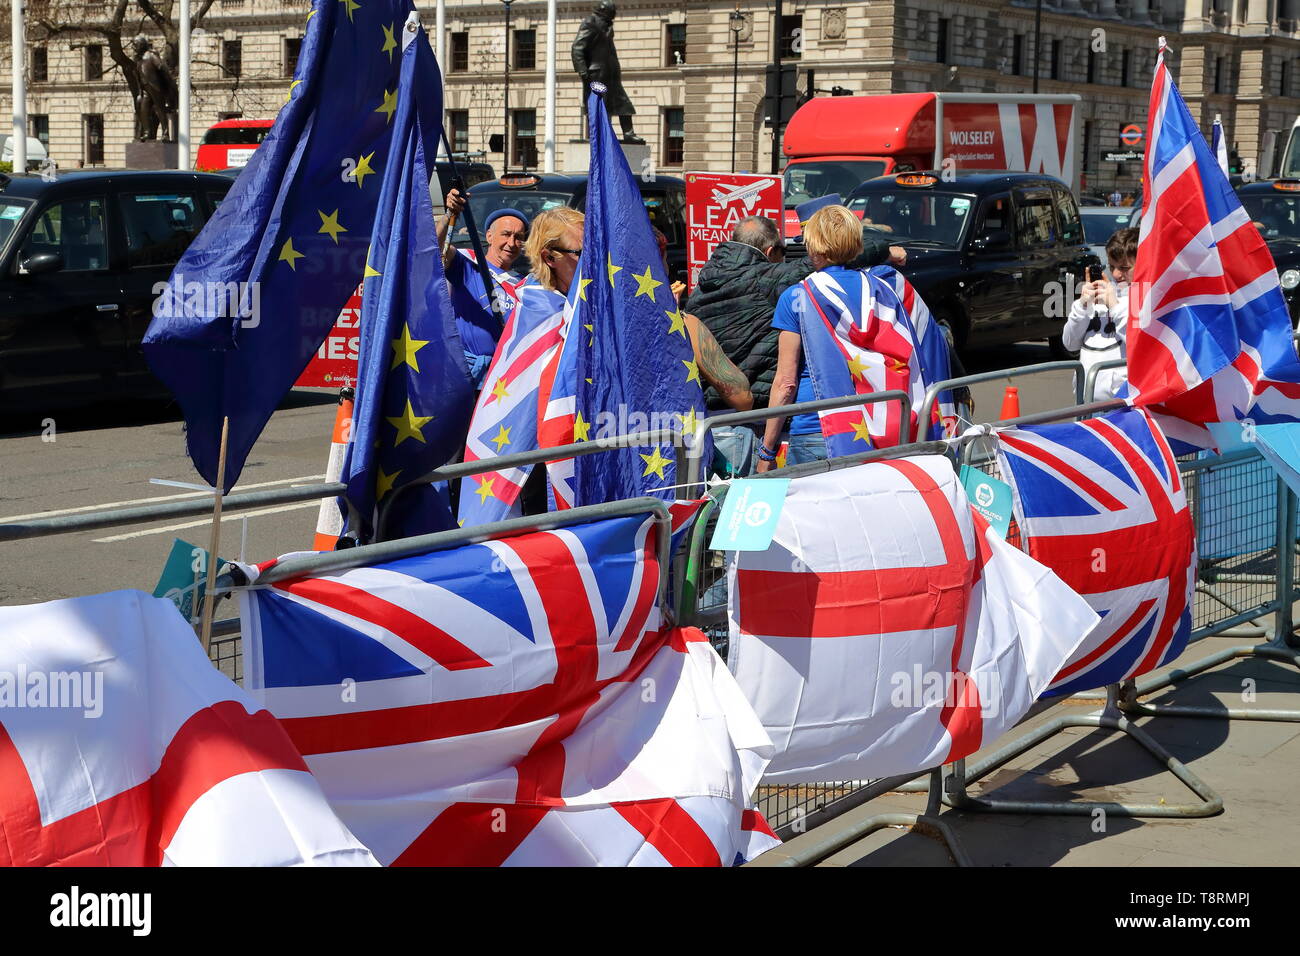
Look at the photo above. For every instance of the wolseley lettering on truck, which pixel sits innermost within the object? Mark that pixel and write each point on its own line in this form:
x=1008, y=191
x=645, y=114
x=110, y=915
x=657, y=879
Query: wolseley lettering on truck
x=833, y=144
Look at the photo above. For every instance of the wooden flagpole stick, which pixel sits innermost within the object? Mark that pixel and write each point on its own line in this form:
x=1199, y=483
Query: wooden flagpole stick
x=209, y=600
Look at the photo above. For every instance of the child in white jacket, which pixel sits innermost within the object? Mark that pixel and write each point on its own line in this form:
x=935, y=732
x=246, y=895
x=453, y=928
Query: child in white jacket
x=1097, y=322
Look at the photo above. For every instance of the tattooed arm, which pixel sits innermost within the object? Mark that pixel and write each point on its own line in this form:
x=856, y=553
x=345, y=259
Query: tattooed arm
x=718, y=370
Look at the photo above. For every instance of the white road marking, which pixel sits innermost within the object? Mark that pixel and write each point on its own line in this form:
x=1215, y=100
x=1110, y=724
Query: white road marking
x=157, y=498
x=235, y=516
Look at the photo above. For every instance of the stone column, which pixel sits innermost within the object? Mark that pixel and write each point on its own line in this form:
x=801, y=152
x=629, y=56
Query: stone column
x=1106, y=10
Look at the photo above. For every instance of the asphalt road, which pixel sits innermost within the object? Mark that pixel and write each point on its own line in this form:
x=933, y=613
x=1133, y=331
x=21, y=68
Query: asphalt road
x=106, y=456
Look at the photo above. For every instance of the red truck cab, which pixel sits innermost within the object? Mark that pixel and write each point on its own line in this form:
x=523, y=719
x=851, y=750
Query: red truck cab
x=230, y=143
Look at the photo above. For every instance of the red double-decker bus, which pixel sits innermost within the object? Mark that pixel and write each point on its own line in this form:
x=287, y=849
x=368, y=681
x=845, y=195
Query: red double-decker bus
x=230, y=143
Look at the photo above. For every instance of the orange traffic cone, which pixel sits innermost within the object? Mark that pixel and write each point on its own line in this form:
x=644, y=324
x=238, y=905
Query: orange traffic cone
x=1010, y=404
x=329, y=524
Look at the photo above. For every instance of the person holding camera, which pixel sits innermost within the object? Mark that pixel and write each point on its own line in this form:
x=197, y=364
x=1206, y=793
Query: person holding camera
x=1098, y=320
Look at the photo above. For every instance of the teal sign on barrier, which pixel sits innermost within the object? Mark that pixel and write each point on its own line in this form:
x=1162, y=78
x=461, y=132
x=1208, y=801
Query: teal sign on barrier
x=990, y=496
x=184, y=578
x=750, y=513
x=1280, y=446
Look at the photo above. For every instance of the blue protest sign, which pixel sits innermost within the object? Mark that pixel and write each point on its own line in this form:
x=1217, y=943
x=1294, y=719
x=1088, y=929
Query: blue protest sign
x=989, y=496
x=1280, y=446
x=750, y=513
x=184, y=578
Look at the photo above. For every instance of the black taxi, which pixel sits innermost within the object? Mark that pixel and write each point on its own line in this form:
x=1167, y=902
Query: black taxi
x=80, y=253
x=1274, y=208
x=532, y=193
x=996, y=255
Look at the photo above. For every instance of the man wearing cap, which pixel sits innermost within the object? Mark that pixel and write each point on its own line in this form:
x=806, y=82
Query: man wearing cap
x=504, y=231
x=735, y=297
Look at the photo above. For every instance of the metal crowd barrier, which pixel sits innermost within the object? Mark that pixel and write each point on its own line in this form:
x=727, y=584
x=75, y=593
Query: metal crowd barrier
x=932, y=393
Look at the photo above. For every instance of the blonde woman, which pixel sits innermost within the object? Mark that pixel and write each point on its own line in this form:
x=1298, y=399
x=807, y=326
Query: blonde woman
x=553, y=247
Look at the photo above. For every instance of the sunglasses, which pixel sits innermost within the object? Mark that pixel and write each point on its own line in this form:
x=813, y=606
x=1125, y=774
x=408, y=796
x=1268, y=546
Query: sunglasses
x=572, y=252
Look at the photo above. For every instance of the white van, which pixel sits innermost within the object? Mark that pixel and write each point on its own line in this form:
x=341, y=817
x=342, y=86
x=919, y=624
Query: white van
x=35, y=151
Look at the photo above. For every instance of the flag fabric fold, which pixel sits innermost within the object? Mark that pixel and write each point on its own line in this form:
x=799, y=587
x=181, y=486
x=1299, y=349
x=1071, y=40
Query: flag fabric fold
x=1101, y=503
x=887, y=629
x=516, y=702
x=414, y=395
x=121, y=745
x=627, y=364
x=1209, y=336
x=255, y=294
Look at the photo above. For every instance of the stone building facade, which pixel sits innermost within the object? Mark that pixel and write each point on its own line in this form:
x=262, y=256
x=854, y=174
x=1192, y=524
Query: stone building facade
x=684, y=66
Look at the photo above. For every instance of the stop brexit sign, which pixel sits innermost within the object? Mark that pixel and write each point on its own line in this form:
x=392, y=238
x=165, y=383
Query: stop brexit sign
x=335, y=362
x=715, y=202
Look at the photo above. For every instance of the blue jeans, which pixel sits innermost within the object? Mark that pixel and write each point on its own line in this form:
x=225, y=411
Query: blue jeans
x=810, y=447
x=733, y=451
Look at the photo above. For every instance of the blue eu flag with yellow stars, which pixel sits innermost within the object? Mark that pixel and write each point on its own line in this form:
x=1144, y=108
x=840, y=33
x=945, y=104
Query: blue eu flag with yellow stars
x=257, y=291
x=414, y=395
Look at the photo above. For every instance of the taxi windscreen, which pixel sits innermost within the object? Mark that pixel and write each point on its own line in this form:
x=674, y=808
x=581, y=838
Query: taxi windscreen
x=933, y=218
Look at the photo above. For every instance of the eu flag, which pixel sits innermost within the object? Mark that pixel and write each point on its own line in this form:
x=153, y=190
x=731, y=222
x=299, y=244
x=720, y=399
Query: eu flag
x=628, y=359
x=257, y=291
x=414, y=395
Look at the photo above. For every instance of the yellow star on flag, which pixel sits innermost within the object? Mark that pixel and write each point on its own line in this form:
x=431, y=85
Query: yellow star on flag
x=370, y=271
x=408, y=425
x=860, y=431
x=592, y=329
x=363, y=169
x=689, y=421
x=484, y=489
x=678, y=322
x=499, y=389
x=288, y=96
x=655, y=464
x=581, y=429
x=388, y=107
x=404, y=349
x=856, y=368
x=384, y=483
x=330, y=225
x=692, y=371
x=611, y=268
x=898, y=365
x=290, y=255
x=503, y=437
x=645, y=285
x=350, y=5
x=582, y=288
x=310, y=15
x=390, y=44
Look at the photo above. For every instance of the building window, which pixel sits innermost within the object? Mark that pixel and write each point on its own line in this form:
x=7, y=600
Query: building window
x=523, y=137
x=675, y=44
x=292, y=47
x=941, y=44
x=458, y=120
x=232, y=56
x=1125, y=61
x=1018, y=55
x=791, y=37
x=674, y=136
x=40, y=128
x=229, y=115
x=92, y=147
x=460, y=52
x=1056, y=60
x=1092, y=65
x=525, y=49
x=94, y=62
x=1218, y=74
x=40, y=64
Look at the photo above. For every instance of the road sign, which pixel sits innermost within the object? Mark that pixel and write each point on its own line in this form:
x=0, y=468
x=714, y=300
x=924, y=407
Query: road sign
x=715, y=202
x=335, y=362
x=1128, y=156
x=1131, y=135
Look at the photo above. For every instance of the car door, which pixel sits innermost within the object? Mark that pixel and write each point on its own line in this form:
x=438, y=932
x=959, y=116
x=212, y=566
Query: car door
x=65, y=342
x=1073, y=254
x=1038, y=242
x=994, y=299
x=159, y=220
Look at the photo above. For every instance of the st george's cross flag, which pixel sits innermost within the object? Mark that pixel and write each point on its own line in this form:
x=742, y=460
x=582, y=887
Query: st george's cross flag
x=259, y=288
x=121, y=745
x=1101, y=503
x=516, y=702
x=858, y=339
x=888, y=629
x=506, y=414
x=1209, y=336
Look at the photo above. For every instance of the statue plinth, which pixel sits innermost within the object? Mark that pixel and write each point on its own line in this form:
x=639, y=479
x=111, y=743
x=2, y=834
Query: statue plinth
x=151, y=155
x=577, y=156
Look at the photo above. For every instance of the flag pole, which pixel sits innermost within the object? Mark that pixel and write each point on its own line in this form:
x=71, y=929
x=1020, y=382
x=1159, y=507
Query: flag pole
x=209, y=599
x=19, y=140
x=468, y=215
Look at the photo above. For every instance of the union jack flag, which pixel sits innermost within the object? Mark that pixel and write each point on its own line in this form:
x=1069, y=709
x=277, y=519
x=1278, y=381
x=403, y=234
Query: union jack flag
x=514, y=702
x=1100, y=502
x=506, y=415
x=1209, y=334
x=858, y=338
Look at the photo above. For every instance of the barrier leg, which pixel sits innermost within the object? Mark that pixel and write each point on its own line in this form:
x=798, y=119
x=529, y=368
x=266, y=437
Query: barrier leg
x=1109, y=718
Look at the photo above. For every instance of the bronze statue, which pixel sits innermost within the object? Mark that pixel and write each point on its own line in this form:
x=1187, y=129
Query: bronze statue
x=157, y=99
x=596, y=61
